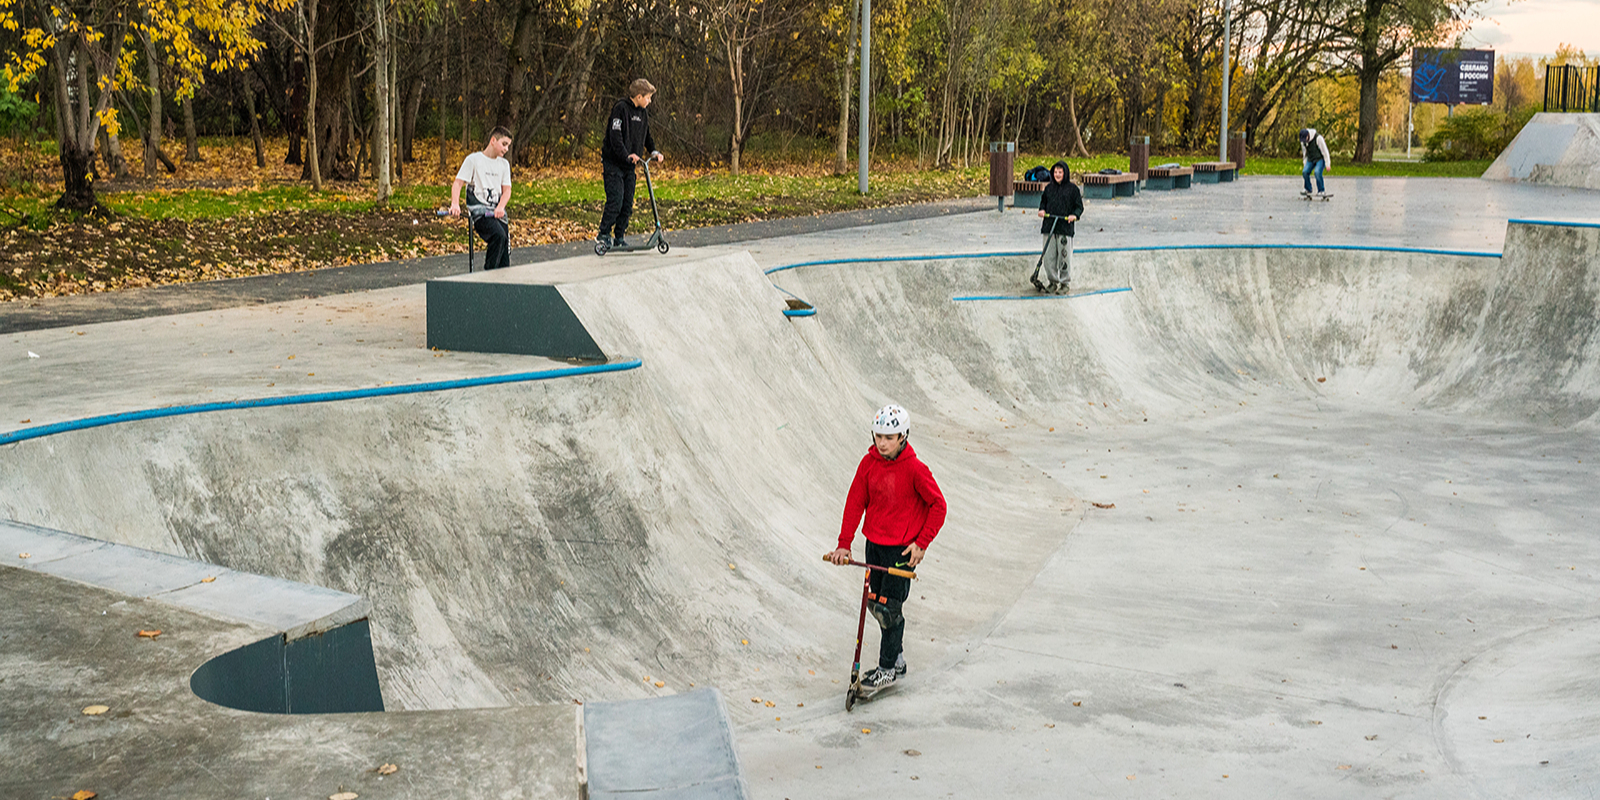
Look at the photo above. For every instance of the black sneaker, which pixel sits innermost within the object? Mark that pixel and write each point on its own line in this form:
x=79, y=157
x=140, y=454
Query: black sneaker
x=603, y=239
x=1061, y=288
x=879, y=678
x=900, y=666
x=621, y=242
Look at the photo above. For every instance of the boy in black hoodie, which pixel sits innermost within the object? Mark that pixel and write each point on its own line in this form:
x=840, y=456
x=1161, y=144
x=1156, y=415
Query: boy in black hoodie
x=1059, y=206
x=627, y=135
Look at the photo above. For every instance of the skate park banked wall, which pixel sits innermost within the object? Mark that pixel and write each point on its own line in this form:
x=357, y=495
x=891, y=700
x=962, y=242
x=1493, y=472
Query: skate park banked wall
x=539, y=542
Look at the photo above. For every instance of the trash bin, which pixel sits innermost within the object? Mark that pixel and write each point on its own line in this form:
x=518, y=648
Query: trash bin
x=1139, y=158
x=1002, y=160
x=1236, y=152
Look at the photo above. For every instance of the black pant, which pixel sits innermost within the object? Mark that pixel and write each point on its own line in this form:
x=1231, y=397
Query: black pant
x=496, y=237
x=892, y=591
x=619, y=199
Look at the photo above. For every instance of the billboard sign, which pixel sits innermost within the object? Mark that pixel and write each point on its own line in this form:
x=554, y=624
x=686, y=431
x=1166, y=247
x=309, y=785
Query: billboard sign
x=1447, y=75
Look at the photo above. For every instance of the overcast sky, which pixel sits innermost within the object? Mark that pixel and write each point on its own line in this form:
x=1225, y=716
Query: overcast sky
x=1537, y=26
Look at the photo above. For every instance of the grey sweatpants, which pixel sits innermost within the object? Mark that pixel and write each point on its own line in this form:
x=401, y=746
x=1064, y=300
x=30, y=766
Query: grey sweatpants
x=1057, y=265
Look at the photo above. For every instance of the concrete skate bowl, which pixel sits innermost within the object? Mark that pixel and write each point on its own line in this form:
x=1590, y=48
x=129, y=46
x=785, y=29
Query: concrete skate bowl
x=591, y=537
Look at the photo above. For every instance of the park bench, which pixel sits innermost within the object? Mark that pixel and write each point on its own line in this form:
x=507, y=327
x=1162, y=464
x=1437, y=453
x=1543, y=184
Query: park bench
x=1215, y=171
x=1165, y=178
x=1026, y=194
x=1100, y=186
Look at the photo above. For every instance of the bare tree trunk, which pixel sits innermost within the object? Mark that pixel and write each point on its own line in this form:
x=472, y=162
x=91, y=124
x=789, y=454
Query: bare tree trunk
x=735, y=54
x=308, y=24
x=115, y=163
x=408, y=120
x=381, y=92
x=841, y=160
x=509, y=110
x=255, y=120
x=152, y=140
x=1072, y=119
x=440, y=108
x=191, y=153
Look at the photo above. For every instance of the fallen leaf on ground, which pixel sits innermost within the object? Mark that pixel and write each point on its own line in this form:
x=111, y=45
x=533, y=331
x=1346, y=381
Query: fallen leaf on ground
x=208, y=580
x=84, y=794
x=866, y=730
x=149, y=634
x=1344, y=766
x=24, y=555
x=770, y=704
x=95, y=711
x=1103, y=505
x=1077, y=702
x=388, y=769
x=755, y=699
x=343, y=796
x=660, y=684
x=913, y=752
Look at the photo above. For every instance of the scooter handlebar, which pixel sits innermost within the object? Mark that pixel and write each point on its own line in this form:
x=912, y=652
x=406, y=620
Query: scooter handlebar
x=903, y=573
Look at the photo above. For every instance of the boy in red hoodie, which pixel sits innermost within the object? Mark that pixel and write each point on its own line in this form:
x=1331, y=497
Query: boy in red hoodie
x=904, y=510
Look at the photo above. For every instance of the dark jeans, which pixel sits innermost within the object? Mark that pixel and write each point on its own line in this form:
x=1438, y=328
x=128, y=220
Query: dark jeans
x=496, y=237
x=892, y=591
x=619, y=199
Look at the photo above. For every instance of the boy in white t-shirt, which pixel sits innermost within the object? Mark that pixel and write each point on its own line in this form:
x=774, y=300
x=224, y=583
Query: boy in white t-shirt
x=487, y=176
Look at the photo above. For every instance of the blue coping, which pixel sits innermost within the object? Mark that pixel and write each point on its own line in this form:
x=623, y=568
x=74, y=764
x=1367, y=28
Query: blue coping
x=970, y=298
x=800, y=312
x=38, y=431
x=1555, y=223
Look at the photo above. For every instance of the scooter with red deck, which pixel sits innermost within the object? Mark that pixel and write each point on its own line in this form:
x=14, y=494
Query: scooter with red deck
x=856, y=692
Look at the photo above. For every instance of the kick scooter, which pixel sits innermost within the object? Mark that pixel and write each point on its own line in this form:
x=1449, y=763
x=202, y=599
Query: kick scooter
x=855, y=691
x=657, y=238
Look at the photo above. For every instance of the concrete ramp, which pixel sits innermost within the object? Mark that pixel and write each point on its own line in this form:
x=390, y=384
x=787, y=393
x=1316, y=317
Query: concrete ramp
x=1552, y=149
x=1265, y=489
x=669, y=748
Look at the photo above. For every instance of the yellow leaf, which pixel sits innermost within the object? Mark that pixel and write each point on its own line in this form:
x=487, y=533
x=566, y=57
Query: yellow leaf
x=388, y=769
x=95, y=711
x=208, y=580
x=84, y=794
x=149, y=634
x=343, y=796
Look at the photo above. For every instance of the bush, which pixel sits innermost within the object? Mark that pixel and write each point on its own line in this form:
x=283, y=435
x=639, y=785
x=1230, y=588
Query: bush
x=1472, y=135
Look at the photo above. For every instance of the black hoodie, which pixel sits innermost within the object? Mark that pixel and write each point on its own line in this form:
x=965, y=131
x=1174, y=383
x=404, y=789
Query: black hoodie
x=1060, y=199
x=627, y=133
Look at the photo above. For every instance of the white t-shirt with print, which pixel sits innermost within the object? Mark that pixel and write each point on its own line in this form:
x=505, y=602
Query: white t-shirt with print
x=486, y=176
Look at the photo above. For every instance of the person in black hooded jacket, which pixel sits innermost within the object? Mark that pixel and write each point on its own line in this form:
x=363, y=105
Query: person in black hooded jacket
x=628, y=141
x=1060, y=206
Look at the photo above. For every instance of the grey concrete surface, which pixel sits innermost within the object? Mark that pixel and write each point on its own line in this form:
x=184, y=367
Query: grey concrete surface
x=65, y=646
x=1392, y=551
x=661, y=749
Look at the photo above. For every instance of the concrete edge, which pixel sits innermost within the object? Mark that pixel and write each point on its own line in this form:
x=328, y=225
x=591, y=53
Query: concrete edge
x=295, y=609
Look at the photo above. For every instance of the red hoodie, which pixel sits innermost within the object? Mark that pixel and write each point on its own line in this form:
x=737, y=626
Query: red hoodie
x=900, y=498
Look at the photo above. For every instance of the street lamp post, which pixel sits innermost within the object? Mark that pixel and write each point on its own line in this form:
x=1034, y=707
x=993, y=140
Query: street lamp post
x=863, y=132
x=1227, y=35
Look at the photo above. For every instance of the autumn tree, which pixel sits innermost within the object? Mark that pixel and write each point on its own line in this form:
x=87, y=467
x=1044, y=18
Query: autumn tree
x=87, y=51
x=1373, y=36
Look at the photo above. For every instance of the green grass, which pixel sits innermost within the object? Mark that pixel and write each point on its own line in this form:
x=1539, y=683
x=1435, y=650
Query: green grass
x=688, y=198
x=1403, y=169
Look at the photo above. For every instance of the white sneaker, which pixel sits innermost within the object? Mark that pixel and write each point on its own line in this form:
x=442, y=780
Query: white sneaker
x=879, y=678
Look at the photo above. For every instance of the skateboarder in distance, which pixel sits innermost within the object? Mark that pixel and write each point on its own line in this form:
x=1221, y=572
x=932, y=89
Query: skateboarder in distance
x=1313, y=158
x=904, y=510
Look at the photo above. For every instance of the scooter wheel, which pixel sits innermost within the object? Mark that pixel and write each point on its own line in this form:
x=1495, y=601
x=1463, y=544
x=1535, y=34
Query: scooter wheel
x=663, y=246
x=600, y=248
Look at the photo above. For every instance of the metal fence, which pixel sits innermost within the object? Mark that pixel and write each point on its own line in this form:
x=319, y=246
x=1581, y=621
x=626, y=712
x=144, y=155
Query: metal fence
x=1572, y=89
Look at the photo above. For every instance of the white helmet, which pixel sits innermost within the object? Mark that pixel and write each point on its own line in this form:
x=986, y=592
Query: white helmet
x=892, y=419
